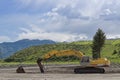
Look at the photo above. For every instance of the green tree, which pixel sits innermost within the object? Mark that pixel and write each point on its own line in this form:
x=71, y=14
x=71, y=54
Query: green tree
x=114, y=52
x=98, y=43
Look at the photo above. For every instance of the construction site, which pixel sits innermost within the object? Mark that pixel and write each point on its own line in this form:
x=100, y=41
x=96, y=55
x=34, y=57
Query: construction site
x=88, y=69
x=59, y=40
x=58, y=72
x=65, y=64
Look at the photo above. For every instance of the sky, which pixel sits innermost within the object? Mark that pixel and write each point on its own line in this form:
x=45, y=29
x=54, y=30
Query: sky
x=58, y=20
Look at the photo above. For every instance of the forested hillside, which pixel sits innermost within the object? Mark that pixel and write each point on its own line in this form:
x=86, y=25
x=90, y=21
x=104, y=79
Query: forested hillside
x=32, y=53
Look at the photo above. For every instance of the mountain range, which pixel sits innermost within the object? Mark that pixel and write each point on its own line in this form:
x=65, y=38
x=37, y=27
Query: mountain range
x=9, y=48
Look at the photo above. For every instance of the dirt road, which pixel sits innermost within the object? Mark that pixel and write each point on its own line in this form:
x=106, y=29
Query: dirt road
x=37, y=76
x=33, y=73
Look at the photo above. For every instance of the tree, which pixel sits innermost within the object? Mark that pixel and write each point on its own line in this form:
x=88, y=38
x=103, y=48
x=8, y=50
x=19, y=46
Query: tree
x=98, y=43
x=114, y=52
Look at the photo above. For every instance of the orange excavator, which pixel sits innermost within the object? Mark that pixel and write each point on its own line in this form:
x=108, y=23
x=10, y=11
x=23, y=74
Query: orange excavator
x=87, y=65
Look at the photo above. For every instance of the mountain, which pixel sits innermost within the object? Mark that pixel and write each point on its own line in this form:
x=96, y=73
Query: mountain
x=8, y=48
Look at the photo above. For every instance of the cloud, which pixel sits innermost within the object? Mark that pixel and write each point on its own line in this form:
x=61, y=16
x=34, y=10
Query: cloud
x=70, y=19
x=4, y=39
x=83, y=9
x=76, y=17
x=90, y=8
x=35, y=32
x=113, y=36
x=73, y=8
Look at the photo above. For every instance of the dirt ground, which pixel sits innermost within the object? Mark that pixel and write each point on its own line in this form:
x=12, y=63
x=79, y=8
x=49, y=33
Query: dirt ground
x=56, y=72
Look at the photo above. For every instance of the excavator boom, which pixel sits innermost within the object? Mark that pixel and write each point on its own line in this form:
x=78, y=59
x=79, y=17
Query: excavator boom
x=63, y=53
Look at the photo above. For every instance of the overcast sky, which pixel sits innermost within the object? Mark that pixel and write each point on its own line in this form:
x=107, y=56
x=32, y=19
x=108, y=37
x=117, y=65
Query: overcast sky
x=58, y=20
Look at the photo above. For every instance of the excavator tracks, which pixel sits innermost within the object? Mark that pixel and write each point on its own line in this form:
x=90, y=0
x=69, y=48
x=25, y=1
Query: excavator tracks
x=81, y=70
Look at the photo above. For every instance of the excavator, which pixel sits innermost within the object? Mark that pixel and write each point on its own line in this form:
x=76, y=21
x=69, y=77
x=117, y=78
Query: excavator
x=87, y=65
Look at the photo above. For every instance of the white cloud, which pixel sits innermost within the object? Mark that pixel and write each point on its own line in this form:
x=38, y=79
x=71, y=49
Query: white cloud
x=35, y=33
x=91, y=8
x=113, y=36
x=107, y=12
x=65, y=28
x=4, y=39
x=68, y=20
x=84, y=9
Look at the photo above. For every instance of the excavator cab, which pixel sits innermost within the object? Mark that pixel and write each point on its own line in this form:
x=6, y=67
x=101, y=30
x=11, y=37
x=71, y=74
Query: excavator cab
x=85, y=61
x=86, y=67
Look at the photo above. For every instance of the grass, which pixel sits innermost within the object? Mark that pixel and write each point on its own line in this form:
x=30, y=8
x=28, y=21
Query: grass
x=16, y=64
x=113, y=59
x=61, y=62
x=12, y=64
x=82, y=42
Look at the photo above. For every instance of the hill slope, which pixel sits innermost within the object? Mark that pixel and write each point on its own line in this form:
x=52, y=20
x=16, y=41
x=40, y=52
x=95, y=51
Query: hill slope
x=32, y=53
x=8, y=48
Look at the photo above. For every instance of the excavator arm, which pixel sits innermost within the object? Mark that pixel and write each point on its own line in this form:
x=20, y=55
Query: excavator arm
x=63, y=53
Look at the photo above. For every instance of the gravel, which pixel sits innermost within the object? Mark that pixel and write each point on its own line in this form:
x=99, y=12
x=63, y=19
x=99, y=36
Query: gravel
x=57, y=72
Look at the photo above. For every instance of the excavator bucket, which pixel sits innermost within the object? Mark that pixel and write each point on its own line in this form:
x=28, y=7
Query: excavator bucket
x=40, y=65
x=20, y=70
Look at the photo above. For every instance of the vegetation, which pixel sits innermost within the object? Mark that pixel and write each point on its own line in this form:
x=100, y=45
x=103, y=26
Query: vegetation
x=117, y=50
x=98, y=42
x=32, y=53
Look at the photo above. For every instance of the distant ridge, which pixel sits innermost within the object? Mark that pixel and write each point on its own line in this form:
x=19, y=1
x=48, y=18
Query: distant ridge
x=8, y=48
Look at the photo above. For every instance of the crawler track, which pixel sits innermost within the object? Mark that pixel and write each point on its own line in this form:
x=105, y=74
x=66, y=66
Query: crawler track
x=89, y=70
